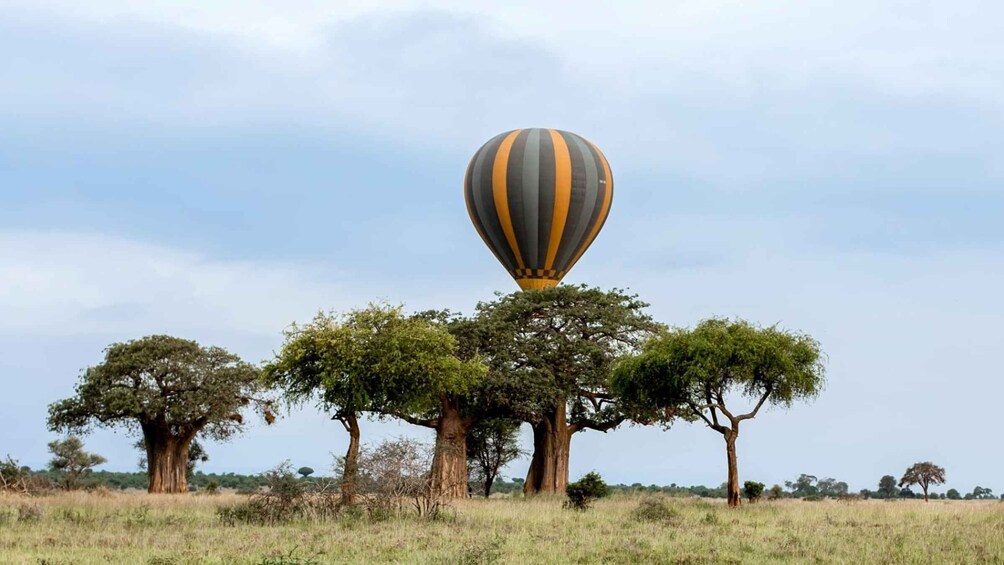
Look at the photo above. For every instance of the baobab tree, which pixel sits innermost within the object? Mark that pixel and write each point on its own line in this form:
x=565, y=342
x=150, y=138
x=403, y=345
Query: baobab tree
x=170, y=390
x=690, y=374
x=924, y=474
x=550, y=354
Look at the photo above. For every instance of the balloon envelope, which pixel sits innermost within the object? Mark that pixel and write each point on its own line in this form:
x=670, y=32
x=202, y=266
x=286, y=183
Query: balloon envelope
x=537, y=198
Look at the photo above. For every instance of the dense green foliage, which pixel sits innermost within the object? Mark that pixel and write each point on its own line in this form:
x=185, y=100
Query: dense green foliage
x=162, y=380
x=753, y=490
x=583, y=492
x=562, y=343
x=370, y=360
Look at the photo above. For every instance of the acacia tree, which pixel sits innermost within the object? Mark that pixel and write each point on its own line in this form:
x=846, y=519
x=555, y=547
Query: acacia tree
x=492, y=444
x=693, y=372
x=551, y=353
x=375, y=360
x=924, y=474
x=71, y=462
x=887, y=487
x=170, y=390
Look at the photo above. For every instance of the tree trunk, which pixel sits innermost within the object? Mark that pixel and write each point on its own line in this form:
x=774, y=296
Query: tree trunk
x=449, y=462
x=733, y=485
x=351, y=423
x=167, y=462
x=488, y=485
x=552, y=438
x=925, y=492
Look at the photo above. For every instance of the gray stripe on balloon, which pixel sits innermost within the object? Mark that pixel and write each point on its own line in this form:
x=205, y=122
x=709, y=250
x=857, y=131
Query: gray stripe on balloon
x=485, y=201
x=529, y=183
x=545, y=180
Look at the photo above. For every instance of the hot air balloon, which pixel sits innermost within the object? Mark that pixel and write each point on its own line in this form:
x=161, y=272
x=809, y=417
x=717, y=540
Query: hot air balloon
x=537, y=198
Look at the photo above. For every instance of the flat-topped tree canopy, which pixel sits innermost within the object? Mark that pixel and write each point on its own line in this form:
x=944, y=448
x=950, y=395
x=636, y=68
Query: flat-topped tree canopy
x=170, y=390
x=689, y=374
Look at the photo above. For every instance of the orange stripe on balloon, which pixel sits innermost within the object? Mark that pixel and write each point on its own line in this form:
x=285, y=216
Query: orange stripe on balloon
x=501, y=194
x=562, y=195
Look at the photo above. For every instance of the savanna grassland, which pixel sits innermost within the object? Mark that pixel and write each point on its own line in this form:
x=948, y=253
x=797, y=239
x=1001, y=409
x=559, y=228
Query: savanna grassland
x=88, y=528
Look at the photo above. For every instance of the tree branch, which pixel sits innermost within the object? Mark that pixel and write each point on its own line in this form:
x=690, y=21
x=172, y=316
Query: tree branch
x=757, y=408
x=424, y=422
x=721, y=406
x=598, y=426
x=699, y=410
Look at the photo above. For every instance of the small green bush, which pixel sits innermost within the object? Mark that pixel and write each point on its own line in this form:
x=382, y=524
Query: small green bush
x=655, y=509
x=584, y=491
x=753, y=490
x=775, y=493
x=212, y=487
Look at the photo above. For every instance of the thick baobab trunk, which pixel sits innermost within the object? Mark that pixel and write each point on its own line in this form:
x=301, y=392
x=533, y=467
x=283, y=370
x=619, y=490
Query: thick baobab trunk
x=351, y=470
x=733, y=484
x=449, y=462
x=552, y=438
x=167, y=463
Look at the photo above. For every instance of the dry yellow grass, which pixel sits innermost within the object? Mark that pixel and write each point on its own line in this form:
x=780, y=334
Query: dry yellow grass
x=85, y=529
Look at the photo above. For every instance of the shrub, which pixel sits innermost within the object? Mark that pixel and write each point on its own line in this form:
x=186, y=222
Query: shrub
x=753, y=490
x=483, y=553
x=775, y=493
x=284, y=500
x=584, y=491
x=655, y=509
x=29, y=512
x=212, y=487
x=395, y=476
x=15, y=478
x=813, y=498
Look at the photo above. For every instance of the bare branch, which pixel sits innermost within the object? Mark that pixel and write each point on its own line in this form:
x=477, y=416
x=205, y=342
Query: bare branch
x=752, y=414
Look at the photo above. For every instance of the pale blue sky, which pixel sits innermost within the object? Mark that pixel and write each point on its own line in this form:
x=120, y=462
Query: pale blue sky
x=218, y=170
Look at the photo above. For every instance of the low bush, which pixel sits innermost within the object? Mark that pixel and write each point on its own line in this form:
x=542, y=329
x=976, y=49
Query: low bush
x=212, y=487
x=583, y=492
x=775, y=493
x=16, y=478
x=29, y=512
x=655, y=509
x=285, y=500
x=484, y=553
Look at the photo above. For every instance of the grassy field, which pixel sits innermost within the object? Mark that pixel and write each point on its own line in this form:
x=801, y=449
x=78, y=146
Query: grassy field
x=83, y=529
